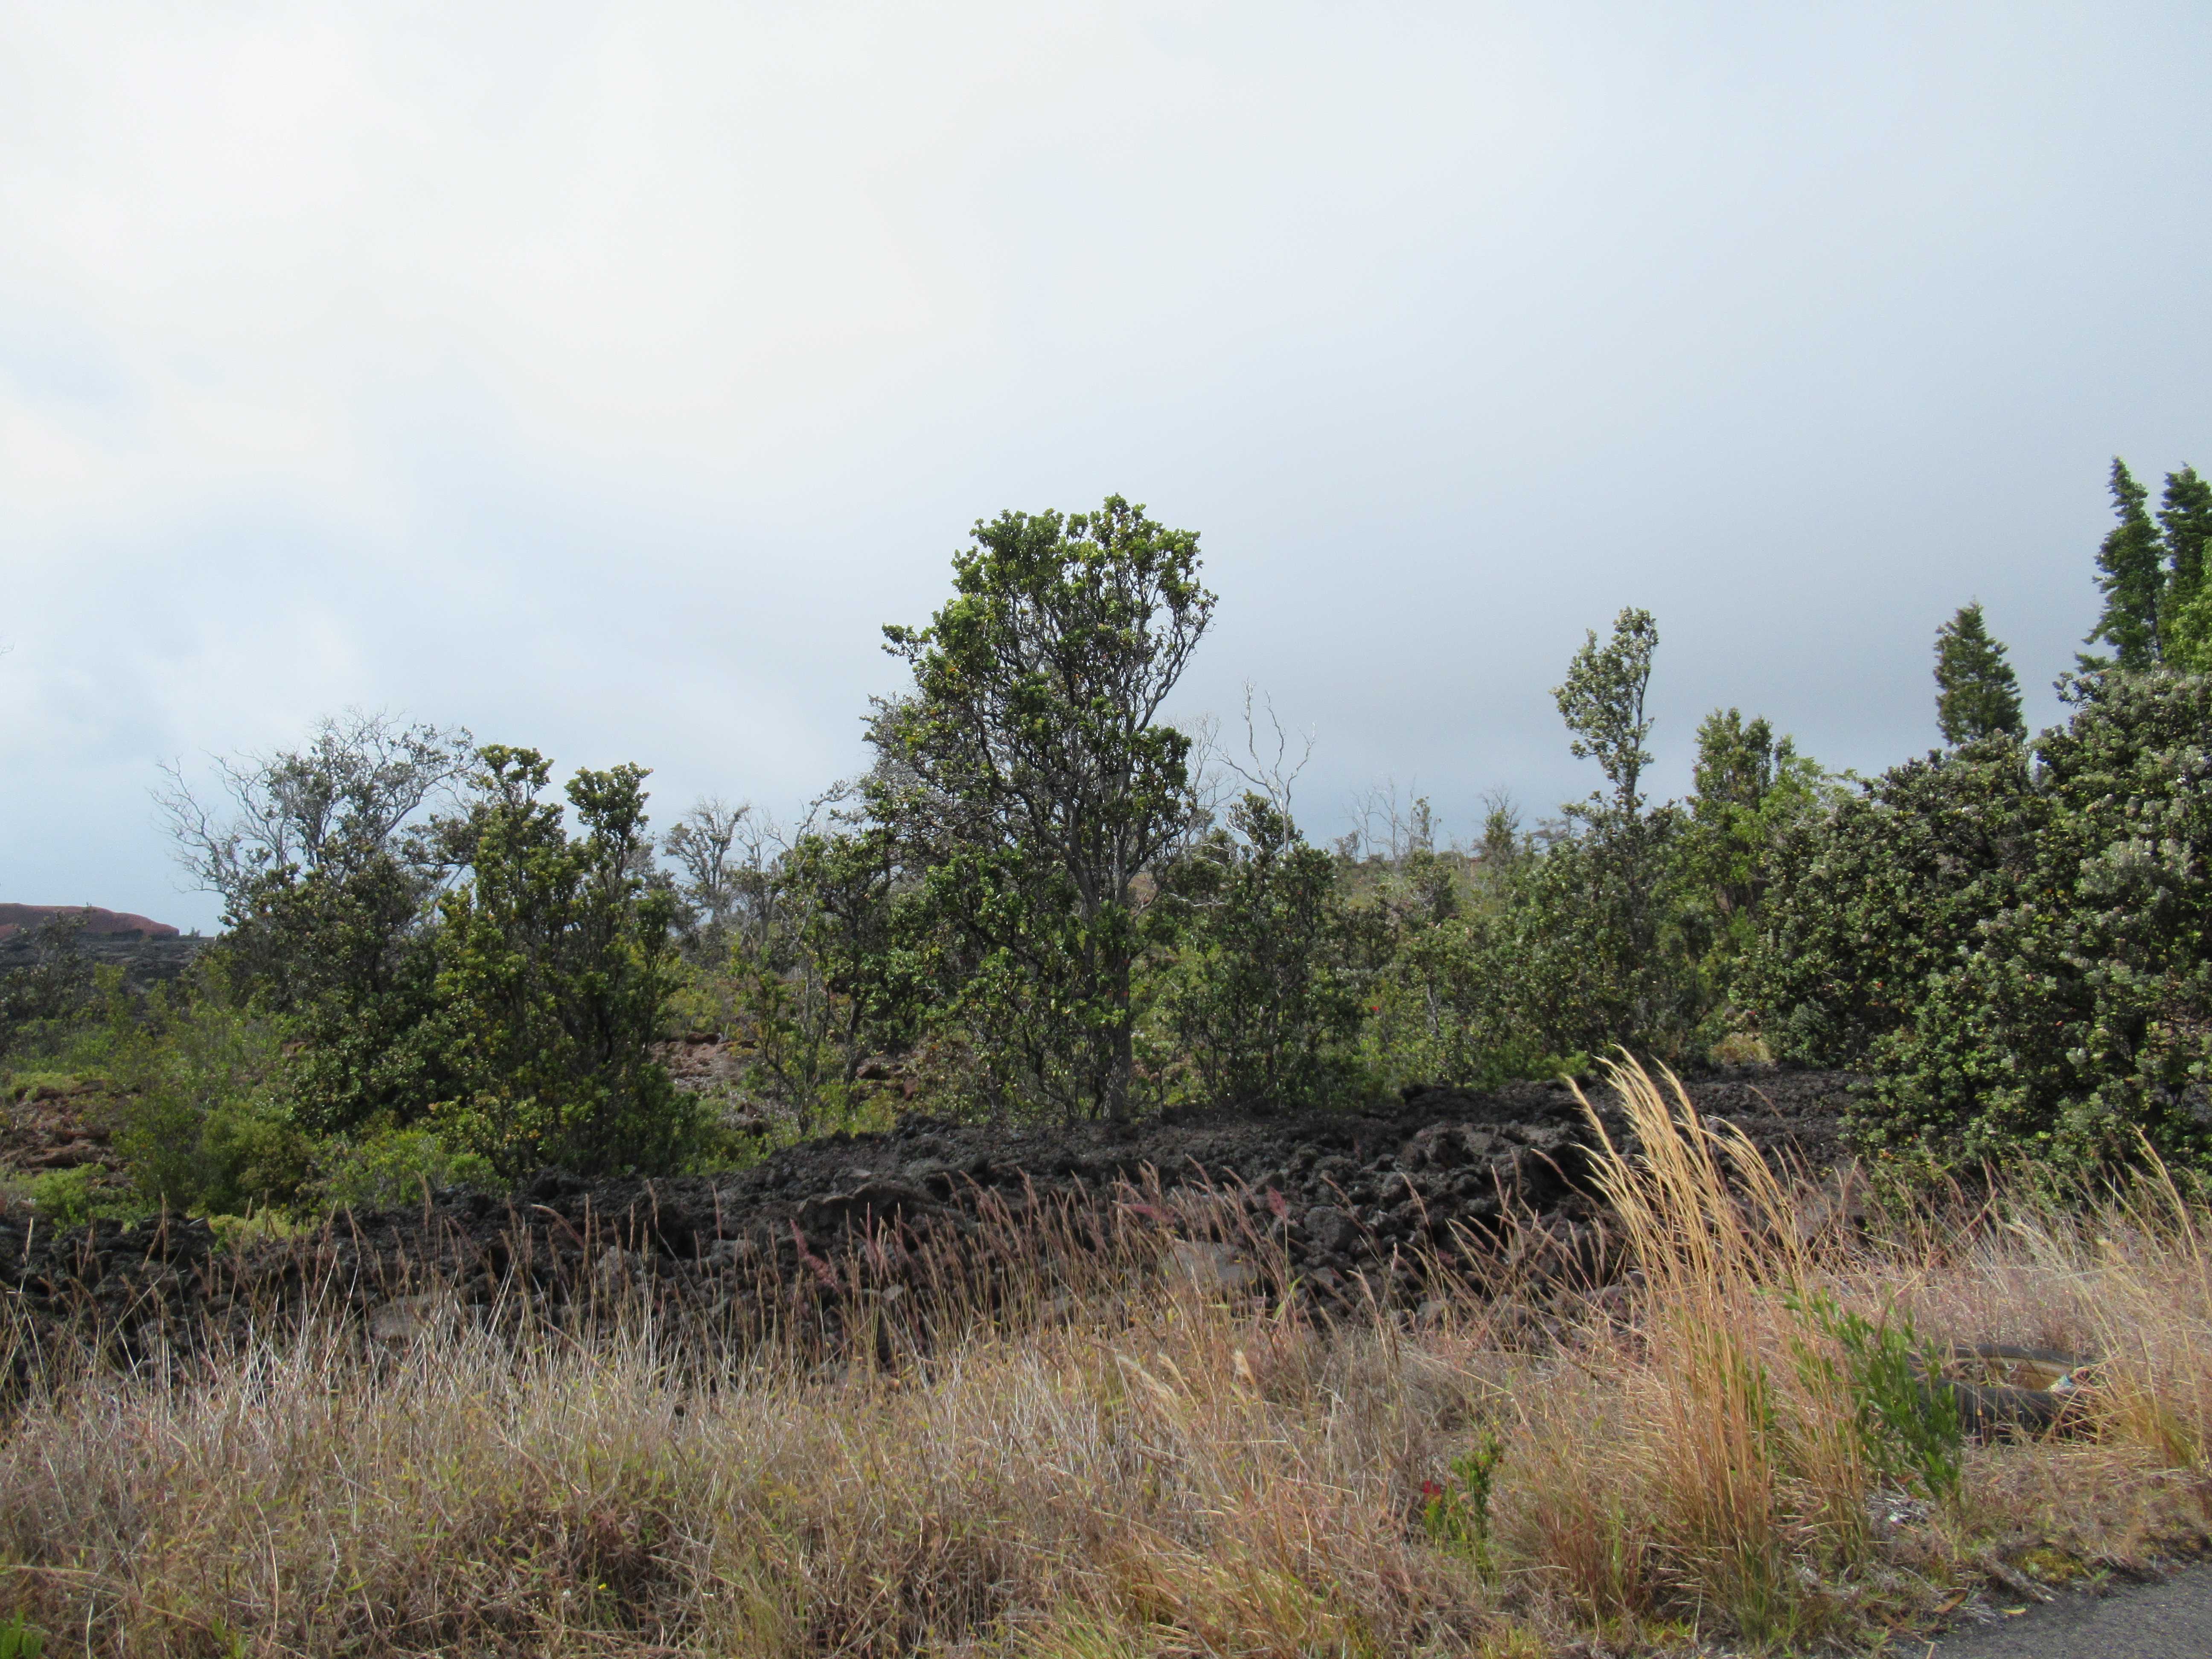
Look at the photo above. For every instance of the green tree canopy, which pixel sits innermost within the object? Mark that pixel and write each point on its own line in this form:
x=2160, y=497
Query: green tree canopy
x=1977, y=694
x=555, y=969
x=1590, y=915
x=1031, y=771
x=2151, y=572
x=2131, y=575
x=1266, y=1002
x=1602, y=702
x=1748, y=782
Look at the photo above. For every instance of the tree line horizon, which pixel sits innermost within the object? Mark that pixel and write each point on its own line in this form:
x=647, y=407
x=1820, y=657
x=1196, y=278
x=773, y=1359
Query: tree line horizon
x=1038, y=902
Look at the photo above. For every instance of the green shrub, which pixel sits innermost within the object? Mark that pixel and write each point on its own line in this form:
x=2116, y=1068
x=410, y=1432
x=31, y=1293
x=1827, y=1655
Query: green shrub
x=70, y=1198
x=22, y=1085
x=1263, y=1003
x=192, y=1083
x=2013, y=942
x=205, y=1127
x=1455, y=1514
x=346, y=953
x=383, y=1171
x=514, y=1006
x=258, y=1226
x=1459, y=1002
x=54, y=986
x=1884, y=891
x=1628, y=924
x=1905, y=1421
x=557, y=967
x=1028, y=774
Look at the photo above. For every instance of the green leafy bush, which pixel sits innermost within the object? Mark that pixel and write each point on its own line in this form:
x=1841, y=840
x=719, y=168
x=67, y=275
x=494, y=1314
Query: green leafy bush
x=1441, y=1010
x=1905, y=1420
x=1263, y=1003
x=1028, y=774
x=557, y=967
x=1455, y=1514
x=204, y=1125
x=70, y=1198
x=348, y=952
x=191, y=1083
x=394, y=1168
x=55, y=985
x=2015, y=942
x=1628, y=924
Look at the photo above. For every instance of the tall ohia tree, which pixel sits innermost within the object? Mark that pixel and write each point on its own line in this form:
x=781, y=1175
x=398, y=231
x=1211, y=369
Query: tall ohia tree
x=1977, y=694
x=1029, y=773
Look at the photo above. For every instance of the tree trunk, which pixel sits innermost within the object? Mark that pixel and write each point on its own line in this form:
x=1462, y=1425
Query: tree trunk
x=1122, y=1055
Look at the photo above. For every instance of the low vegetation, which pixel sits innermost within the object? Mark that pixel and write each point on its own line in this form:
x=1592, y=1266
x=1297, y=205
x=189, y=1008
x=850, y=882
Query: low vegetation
x=1734, y=1444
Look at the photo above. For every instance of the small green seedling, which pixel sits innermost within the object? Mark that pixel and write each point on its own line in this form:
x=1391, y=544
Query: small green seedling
x=1455, y=1514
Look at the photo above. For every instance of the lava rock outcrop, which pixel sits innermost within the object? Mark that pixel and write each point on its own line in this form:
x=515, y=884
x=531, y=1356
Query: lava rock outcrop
x=1343, y=1204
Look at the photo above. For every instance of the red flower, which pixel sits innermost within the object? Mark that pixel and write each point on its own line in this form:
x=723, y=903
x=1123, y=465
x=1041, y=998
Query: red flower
x=1430, y=1489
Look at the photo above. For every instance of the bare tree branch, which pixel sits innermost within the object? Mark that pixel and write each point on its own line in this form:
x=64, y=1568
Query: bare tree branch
x=348, y=793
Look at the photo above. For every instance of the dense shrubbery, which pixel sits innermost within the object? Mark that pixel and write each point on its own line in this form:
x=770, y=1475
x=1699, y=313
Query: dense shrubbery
x=194, y=1072
x=47, y=991
x=1259, y=1000
x=554, y=971
x=1033, y=903
x=1256, y=968
x=469, y=996
x=2013, y=941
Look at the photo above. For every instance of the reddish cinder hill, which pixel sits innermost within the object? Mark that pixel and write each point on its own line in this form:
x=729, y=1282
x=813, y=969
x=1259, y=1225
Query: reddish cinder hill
x=97, y=922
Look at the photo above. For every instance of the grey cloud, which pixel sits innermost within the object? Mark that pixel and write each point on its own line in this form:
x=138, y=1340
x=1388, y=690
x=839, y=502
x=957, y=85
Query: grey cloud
x=609, y=397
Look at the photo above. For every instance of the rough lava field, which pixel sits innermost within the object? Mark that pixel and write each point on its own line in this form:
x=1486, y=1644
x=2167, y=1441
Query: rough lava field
x=1339, y=1205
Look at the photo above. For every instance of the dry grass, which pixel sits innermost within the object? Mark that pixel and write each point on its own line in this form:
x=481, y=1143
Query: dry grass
x=1137, y=1467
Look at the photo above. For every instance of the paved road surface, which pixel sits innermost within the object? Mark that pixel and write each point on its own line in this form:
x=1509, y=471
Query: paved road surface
x=2168, y=1620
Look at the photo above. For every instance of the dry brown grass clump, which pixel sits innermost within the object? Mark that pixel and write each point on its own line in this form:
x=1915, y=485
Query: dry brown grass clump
x=1151, y=1465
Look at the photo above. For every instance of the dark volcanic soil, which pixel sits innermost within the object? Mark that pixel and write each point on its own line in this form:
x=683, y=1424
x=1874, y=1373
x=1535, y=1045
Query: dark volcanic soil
x=56, y=1125
x=1346, y=1203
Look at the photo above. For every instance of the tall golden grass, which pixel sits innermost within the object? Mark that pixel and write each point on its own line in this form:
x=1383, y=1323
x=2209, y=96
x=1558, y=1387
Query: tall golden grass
x=1127, y=1459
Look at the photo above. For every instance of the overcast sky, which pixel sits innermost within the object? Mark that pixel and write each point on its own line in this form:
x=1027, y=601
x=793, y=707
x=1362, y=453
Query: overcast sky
x=602, y=377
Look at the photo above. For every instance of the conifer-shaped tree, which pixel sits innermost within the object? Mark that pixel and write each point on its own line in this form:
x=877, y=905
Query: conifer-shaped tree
x=2184, y=517
x=2131, y=575
x=1977, y=694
